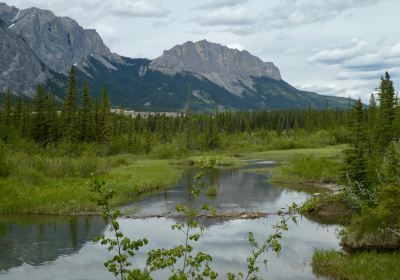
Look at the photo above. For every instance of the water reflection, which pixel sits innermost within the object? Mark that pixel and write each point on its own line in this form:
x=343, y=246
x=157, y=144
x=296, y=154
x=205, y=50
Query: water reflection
x=58, y=248
x=38, y=239
x=238, y=190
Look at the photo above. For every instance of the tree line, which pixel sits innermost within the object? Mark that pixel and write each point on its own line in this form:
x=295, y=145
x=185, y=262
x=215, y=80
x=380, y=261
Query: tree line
x=80, y=118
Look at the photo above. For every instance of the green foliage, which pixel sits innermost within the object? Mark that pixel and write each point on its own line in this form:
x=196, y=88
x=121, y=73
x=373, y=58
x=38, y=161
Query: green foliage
x=357, y=266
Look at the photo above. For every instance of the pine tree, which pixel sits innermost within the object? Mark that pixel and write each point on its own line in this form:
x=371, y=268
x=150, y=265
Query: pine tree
x=105, y=118
x=188, y=125
x=8, y=108
x=17, y=114
x=52, y=119
x=39, y=121
x=70, y=111
x=212, y=134
x=355, y=157
x=385, y=129
x=87, y=119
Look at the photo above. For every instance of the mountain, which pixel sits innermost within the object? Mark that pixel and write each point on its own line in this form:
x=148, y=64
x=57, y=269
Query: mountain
x=40, y=47
x=19, y=65
x=228, y=68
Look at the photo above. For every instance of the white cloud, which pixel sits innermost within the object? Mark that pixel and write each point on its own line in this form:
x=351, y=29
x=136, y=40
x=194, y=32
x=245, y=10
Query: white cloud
x=360, y=60
x=339, y=54
x=238, y=16
x=216, y=4
x=236, y=46
x=294, y=13
x=131, y=8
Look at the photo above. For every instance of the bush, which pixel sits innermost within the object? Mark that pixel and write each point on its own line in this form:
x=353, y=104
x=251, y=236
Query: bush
x=166, y=151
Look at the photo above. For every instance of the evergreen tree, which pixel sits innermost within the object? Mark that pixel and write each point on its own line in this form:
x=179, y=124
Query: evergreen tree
x=105, y=118
x=52, y=119
x=355, y=157
x=70, y=111
x=40, y=127
x=188, y=125
x=17, y=114
x=212, y=134
x=385, y=129
x=8, y=108
x=87, y=116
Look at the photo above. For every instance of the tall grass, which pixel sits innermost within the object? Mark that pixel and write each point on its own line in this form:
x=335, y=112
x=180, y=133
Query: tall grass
x=314, y=169
x=358, y=266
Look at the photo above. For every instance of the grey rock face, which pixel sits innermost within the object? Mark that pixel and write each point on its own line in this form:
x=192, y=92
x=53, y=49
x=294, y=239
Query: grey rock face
x=59, y=42
x=20, y=69
x=7, y=13
x=230, y=68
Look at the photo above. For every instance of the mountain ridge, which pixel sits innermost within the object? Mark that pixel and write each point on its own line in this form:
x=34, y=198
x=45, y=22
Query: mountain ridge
x=218, y=76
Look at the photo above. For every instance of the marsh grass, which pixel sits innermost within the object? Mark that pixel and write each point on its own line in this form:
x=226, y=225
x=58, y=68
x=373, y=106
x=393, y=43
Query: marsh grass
x=212, y=192
x=58, y=185
x=358, y=266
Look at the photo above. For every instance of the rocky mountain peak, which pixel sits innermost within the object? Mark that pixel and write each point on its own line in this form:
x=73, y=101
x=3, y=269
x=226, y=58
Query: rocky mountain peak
x=59, y=42
x=230, y=68
x=7, y=13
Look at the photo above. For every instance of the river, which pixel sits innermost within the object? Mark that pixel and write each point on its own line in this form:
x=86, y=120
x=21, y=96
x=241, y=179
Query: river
x=41, y=247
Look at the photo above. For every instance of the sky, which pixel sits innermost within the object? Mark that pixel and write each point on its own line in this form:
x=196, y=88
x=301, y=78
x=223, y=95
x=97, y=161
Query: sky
x=332, y=47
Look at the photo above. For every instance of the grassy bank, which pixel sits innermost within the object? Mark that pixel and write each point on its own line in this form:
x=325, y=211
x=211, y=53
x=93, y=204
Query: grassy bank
x=307, y=170
x=358, y=266
x=59, y=185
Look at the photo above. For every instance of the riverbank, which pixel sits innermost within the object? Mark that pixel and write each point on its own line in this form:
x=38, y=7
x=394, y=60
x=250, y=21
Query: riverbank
x=34, y=191
x=58, y=184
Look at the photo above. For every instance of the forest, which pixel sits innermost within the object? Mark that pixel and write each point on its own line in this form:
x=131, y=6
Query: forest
x=49, y=148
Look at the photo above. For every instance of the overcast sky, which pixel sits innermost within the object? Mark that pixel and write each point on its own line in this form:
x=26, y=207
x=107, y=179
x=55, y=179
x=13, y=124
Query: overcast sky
x=333, y=47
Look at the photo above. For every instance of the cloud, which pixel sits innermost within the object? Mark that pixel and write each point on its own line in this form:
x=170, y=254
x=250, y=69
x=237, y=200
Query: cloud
x=131, y=8
x=339, y=54
x=359, y=57
x=217, y=4
x=328, y=89
x=294, y=13
x=368, y=75
x=97, y=9
x=361, y=90
x=236, y=46
x=238, y=16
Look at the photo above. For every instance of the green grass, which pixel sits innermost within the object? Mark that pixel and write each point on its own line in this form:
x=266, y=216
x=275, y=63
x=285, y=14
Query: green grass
x=54, y=187
x=305, y=170
x=358, y=266
x=212, y=191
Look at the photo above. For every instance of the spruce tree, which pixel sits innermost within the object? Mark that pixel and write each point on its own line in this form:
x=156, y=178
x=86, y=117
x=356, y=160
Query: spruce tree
x=70, y=111
x=8, y=108
x=17, y=114
x=385, y=129
x=39, y=121
x=105, y=118
x=355, y=157
x=87, y=119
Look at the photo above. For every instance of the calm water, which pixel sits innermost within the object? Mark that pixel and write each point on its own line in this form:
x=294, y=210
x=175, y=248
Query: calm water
x=61, y=247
